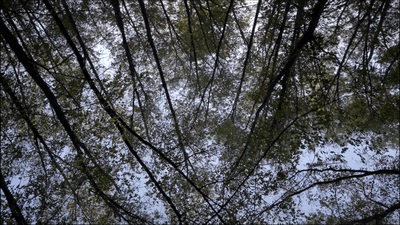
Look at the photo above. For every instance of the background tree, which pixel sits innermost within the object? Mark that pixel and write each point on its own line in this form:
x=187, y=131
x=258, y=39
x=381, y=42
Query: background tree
x=200, y=111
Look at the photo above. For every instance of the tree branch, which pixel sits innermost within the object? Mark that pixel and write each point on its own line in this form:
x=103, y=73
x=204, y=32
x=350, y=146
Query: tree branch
x=12, y=202
x=376, y=217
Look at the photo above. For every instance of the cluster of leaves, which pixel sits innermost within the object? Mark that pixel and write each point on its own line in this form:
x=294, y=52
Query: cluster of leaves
x=155, y=111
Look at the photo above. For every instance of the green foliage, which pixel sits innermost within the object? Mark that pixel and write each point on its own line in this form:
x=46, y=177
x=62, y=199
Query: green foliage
x=220, y=121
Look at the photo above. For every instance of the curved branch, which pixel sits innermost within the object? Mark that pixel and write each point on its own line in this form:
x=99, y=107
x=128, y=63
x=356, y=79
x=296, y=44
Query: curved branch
x=12, y=202
x=378, y=216
x=365, y=174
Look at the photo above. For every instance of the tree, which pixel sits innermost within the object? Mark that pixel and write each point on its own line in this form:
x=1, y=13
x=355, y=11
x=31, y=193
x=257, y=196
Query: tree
x=217, y=112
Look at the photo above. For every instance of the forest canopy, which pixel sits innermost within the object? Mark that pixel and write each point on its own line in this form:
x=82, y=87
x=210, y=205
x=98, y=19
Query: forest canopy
x=200, y=112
